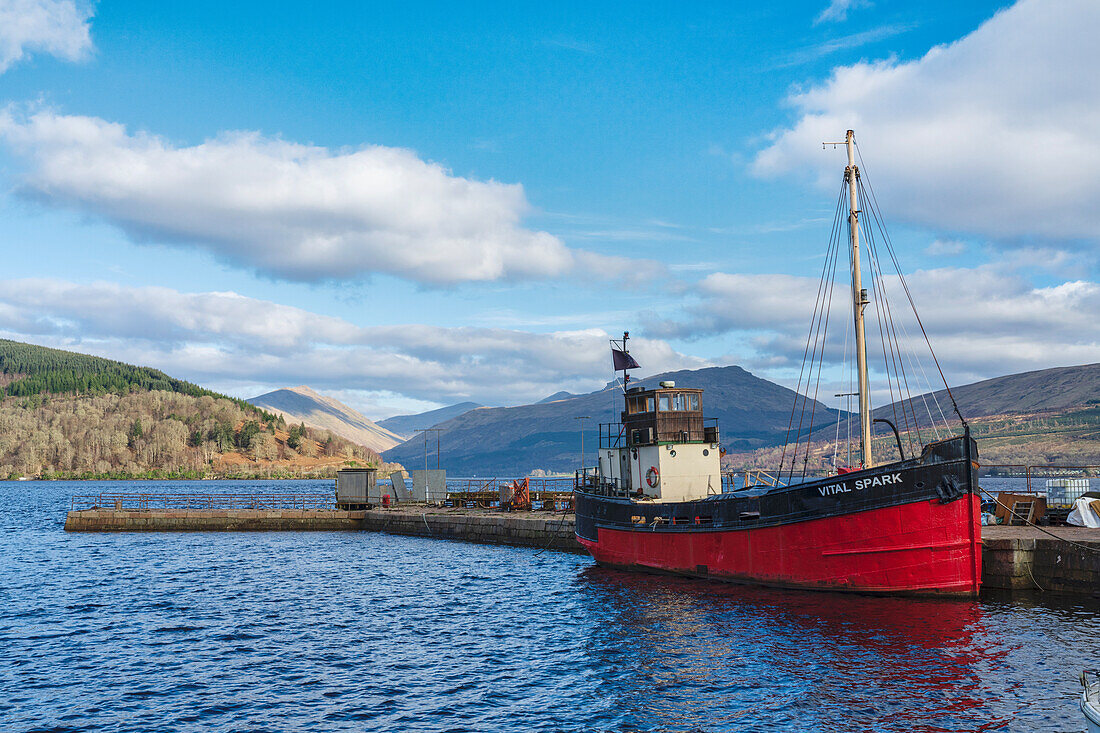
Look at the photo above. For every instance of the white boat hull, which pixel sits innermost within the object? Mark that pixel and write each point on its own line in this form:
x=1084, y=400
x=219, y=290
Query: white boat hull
x=1092, y=715
x=1090, y=703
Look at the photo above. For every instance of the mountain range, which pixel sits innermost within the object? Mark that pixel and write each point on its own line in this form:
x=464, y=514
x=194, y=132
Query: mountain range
x=751, y=412
x=1040, y=417
x=303, y=405
x=1017, y=417
x=407, y=425
x=1040, y=391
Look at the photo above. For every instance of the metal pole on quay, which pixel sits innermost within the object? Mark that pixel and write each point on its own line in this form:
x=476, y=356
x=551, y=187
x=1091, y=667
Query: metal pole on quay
x=582, y=418
x=437, y=431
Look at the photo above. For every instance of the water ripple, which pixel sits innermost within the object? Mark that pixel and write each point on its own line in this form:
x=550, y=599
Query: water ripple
x=359, y=631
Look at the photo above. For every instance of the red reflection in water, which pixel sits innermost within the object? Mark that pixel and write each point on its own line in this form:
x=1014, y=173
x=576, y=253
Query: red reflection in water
x=708, y=654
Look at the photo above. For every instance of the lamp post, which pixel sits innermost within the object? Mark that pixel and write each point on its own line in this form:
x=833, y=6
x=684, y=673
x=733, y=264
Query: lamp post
x=437, y=431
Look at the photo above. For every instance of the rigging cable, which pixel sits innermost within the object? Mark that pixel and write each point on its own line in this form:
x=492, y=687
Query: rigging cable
x=805, y=353
x=892, y=330
x=913, y=305
x=876, y=215
x=821, y=360
x=844, y=362
x=825, y=293
x=882, y=338
x=886, y=314
x=905, y=397
x=798, y=387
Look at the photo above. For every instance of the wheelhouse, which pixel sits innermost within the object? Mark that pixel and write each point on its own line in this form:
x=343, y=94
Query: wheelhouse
x=663, y=449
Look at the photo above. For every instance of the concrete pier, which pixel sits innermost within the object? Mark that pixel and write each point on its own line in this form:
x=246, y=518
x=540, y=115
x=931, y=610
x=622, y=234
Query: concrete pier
x=1029, y=558
x=213, y=520
x=551, y=530
x=548, y=530
x=1013, y=558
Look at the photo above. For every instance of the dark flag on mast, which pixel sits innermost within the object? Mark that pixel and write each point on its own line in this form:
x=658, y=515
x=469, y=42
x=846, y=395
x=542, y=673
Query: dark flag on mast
x=623, y=360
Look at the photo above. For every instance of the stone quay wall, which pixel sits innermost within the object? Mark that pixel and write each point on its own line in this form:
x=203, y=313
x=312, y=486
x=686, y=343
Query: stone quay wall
x=1027, y=558
x=215, y=520
x=525, y=529
x=529, y=529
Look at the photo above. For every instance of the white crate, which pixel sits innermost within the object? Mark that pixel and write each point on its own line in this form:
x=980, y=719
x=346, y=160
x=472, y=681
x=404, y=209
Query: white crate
x=1066, y=490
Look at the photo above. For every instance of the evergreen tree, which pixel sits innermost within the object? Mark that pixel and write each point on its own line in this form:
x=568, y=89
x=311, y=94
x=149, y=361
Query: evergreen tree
x=245, y=434
x=295, y=438
x=136, y=431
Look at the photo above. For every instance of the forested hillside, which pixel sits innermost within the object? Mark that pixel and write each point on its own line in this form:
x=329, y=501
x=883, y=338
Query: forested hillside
x=27, y=369
x=64, y=414
x=159, y=433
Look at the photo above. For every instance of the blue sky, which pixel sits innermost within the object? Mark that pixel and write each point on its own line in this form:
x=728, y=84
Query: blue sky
x=411, y=206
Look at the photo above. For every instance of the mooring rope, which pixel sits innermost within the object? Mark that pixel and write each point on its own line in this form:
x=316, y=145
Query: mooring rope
x=1032, y=576
x=553, y=536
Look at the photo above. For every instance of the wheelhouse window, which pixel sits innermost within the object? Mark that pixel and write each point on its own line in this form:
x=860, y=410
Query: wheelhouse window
x=694, y=402
x=679, y=402
x=664, y=402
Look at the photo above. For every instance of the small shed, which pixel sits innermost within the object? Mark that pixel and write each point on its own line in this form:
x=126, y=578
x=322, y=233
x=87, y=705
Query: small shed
x=356, y=487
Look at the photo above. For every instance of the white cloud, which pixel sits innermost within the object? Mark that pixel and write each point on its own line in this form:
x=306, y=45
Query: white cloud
x=298, y=212
x=842, y=43
x=983, y=322
x=56, y=27
x=945, y=248
x=238, y=342
x=744, y=302
x=992, y=135
x=837, y=10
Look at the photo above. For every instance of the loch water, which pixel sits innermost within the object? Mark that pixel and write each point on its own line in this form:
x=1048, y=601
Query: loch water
x=359, y=631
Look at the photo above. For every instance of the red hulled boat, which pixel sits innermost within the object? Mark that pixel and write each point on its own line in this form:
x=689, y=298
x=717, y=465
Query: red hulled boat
x=656, y=501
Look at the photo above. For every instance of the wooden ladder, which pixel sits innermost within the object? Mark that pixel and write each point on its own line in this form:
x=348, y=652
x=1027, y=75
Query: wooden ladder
x=1021, y=509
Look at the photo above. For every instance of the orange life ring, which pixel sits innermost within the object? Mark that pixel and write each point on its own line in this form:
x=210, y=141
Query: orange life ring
x=653, y=477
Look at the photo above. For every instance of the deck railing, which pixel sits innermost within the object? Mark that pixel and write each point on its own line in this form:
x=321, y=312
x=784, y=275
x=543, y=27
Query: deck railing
x=545, y=492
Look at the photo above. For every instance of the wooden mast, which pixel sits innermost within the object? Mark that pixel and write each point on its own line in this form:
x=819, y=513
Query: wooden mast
x=859, y=301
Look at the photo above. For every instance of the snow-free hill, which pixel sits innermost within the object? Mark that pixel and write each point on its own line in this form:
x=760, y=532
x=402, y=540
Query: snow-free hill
x=1041, y=391
x=303, y=405
x=563, y=395
x=1047, y=416
x=1045, y=389
x=407, y=425
x=511, y=441
x=72, y=415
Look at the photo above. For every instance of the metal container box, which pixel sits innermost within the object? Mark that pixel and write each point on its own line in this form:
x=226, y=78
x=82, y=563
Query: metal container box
x=357, y=486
